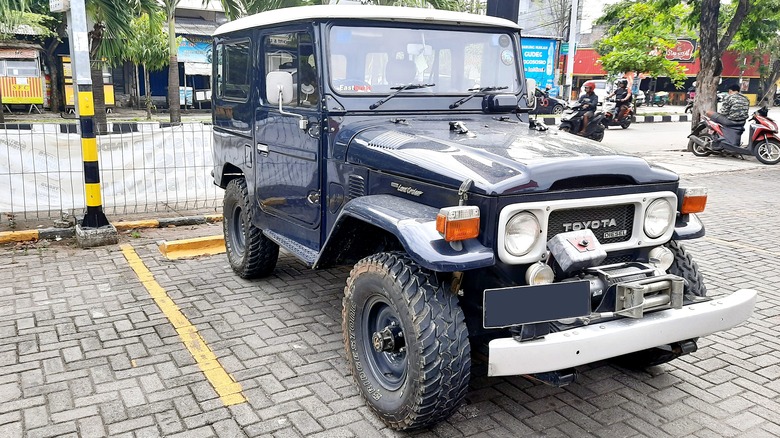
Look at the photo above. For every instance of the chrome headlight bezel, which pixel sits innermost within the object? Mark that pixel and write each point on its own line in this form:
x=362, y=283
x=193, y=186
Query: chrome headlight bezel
x=659, y=217
x=527, y=231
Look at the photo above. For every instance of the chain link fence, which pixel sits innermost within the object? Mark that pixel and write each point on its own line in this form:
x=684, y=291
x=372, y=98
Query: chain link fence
x=144, y=167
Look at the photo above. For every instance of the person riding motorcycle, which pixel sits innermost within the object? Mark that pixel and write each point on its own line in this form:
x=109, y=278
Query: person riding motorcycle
x=587, y=103
x=622, y=97
x=734, y=113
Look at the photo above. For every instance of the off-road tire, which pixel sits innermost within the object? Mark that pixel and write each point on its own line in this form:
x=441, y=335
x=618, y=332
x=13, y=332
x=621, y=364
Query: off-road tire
x=428, y=380
x=683, y=266
x=767, y=152
x=250, y=253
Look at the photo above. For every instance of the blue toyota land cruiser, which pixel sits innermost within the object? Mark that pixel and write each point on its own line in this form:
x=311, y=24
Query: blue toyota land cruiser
x=398, y=140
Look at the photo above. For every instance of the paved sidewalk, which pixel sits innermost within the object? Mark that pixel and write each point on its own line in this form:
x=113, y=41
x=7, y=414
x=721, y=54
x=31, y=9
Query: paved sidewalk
x=86, y=351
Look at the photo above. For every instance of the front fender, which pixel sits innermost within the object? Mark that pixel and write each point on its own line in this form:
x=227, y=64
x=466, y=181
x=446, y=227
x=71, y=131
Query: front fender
x=688, y=226
x=414, y=225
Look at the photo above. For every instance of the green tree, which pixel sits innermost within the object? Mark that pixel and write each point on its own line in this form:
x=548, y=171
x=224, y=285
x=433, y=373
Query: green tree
x=148, y=49
x=638, y=38
x=716, y=23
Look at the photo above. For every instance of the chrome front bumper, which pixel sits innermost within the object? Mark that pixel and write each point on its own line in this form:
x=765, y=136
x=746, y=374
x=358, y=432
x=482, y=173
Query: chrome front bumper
x=599, y=341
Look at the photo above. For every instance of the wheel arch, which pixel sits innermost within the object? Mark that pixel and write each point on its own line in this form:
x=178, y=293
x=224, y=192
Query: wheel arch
x=229, y=173
x=373, y=223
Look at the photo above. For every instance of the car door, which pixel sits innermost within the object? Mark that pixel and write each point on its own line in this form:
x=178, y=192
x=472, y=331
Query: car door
x=287, y=155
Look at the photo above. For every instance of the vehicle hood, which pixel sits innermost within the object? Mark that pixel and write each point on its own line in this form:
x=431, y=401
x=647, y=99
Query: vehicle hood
x=501, y=155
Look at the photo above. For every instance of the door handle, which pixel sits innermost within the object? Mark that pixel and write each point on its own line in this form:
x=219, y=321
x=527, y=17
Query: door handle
x=262, y=149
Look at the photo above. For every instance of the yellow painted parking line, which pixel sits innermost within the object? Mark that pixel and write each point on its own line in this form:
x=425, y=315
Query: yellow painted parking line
x=199, y=246
x=228, y=389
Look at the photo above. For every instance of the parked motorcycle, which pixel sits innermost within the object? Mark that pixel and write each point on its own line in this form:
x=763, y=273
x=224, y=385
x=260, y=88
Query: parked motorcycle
x=623, y=119
x=709, y=137
x=688, y=106
x=659, y=98
x=776, y=101
x=571, y=122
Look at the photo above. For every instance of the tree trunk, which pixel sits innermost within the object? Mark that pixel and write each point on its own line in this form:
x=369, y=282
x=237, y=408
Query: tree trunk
x=98, y=93
x=2, y=108
x=709, y=56
x=148, y=94
x=173, y=73
x=54, y=84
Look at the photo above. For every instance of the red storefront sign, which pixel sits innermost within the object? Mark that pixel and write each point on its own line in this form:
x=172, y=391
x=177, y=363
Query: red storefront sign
x=682, y=52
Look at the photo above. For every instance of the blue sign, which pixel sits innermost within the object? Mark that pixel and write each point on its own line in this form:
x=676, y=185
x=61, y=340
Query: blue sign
x=194, y=49
x=539, y=61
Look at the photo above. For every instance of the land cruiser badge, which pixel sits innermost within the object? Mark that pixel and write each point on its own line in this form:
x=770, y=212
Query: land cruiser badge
x=406, y=189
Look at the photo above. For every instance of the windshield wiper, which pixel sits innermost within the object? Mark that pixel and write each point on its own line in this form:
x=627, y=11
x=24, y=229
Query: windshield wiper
x=475, y=92
x=380, y=102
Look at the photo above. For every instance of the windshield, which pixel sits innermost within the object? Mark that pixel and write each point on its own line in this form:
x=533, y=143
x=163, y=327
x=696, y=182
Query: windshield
x=373, y=60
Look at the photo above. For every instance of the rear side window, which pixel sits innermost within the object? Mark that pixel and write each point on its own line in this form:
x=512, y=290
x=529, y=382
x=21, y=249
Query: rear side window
x=234, y=72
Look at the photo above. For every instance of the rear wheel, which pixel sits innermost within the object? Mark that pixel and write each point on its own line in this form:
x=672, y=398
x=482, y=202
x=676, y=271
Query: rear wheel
x=557, y=109
x=768, y=152
x=626, y=123
x=683, y=266
x=250, y=253
x=597, y=135
x=699, y=150
x=406, y=341
x=565, y=128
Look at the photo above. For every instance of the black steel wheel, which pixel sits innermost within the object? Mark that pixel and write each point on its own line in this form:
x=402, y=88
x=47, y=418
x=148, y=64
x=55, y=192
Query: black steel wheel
x=406, y=341
x=683, y=266
x=250, y=253
x=768, y=152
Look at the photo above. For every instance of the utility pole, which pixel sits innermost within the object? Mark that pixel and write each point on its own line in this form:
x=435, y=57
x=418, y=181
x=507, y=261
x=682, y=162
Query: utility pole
x=94, y=229
x=572, y=49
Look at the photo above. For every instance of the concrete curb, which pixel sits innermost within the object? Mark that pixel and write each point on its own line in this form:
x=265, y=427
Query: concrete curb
x=636, y=119
x=55, y=233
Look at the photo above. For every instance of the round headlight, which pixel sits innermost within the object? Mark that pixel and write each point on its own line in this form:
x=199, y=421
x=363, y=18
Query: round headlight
x=659, y=216
x=521, y=233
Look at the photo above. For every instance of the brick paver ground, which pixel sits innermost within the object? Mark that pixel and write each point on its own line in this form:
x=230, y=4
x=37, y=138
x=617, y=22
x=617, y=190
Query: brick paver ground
x=84, y=351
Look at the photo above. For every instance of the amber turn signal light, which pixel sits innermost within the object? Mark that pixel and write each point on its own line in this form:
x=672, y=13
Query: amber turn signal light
x=694, y=200
x=458, y=223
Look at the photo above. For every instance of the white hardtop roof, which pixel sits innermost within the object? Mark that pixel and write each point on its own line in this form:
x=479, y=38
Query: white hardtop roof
x=362, y=12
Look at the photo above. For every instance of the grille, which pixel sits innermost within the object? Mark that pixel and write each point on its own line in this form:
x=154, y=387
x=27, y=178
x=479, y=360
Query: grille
x=622, y=214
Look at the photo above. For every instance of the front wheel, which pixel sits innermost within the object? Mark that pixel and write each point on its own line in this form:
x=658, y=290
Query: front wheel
x=406, y=341
x=557, y=109
x=661, y=103
x=597, y=135
x=250, y=253
x=565, y=128
x=768, y=152
x=626, y=123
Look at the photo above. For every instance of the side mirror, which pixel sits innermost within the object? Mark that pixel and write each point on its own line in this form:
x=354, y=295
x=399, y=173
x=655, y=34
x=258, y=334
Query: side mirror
x=279, y=87
x=530, y=84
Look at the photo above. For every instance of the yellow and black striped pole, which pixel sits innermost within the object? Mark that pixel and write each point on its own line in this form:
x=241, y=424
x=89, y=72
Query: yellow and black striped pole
x=94, y=217
x=78, y=38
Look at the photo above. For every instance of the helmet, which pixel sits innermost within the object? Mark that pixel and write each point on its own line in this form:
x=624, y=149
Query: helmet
x=622, y=82
x=590, y=84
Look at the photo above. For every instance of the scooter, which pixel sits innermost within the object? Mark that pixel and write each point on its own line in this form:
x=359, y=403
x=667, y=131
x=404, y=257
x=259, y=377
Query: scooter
x=660, y=98
x=623, y=119
x=709, y=137
x=688, y=106
x=571, y=122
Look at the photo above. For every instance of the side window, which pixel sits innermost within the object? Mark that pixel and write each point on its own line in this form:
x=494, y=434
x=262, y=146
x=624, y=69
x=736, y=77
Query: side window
x=234, y=72
x=294, y=53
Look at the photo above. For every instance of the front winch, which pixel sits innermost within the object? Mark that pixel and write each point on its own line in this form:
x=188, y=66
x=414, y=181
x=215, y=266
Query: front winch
x=634, y=298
